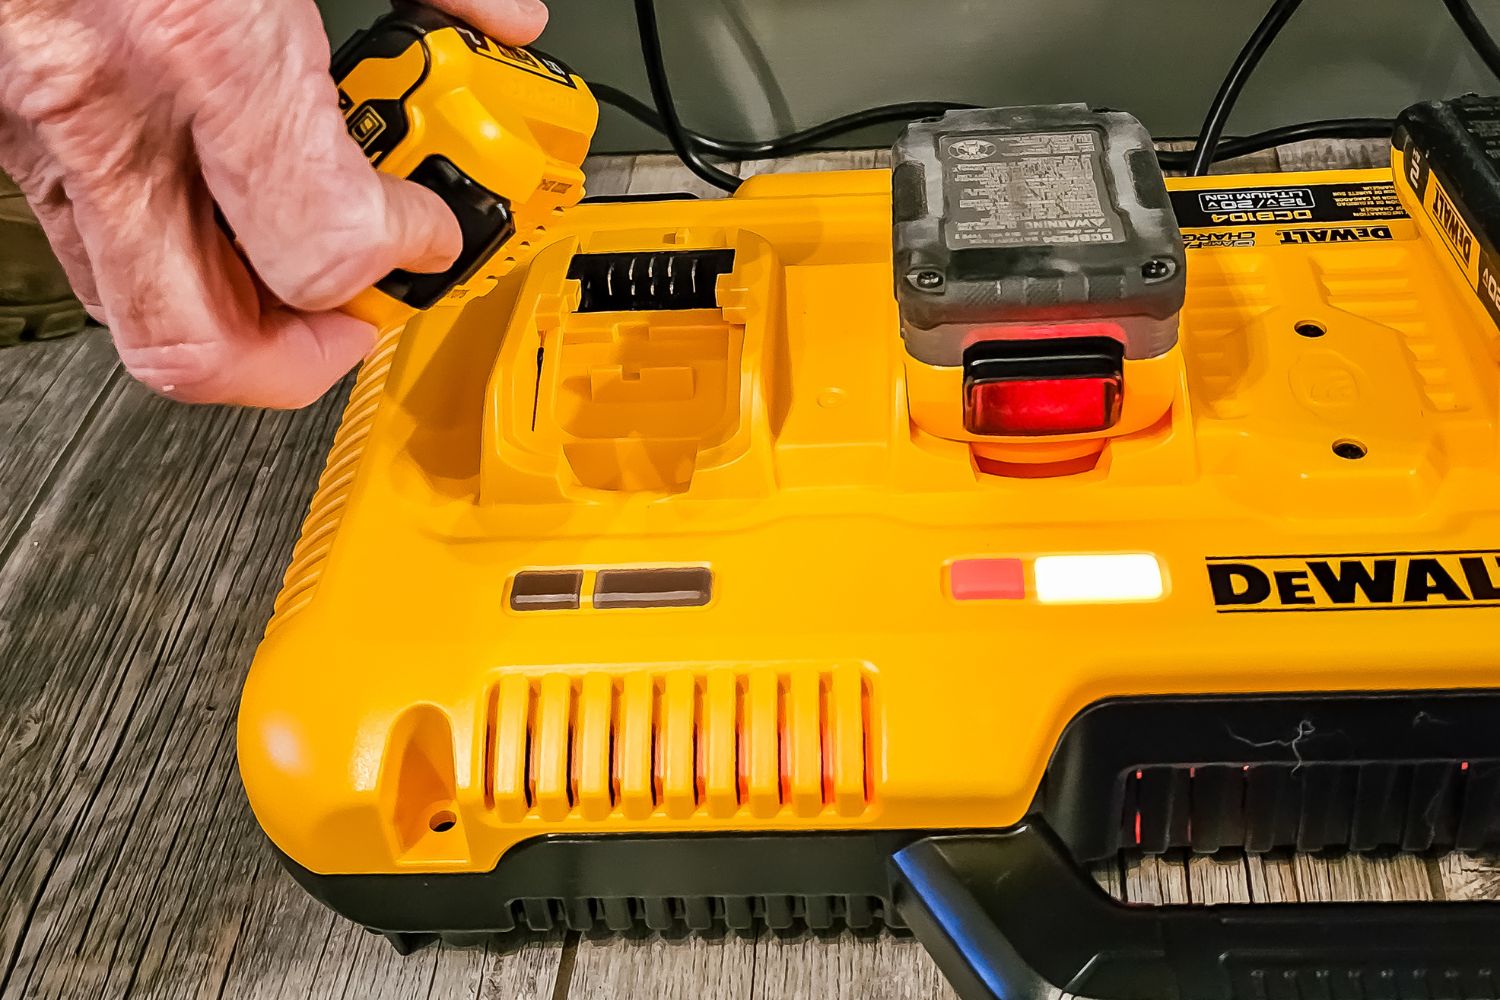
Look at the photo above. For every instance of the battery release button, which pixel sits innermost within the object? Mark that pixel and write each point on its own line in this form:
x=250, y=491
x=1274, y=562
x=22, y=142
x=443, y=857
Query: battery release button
x=1067, y=385
x=484, y=219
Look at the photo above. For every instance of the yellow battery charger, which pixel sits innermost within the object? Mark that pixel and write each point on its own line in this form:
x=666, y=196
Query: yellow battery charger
x=635, y=594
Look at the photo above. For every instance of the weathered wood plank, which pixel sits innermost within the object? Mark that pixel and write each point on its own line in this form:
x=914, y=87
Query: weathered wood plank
x=1175, y=879
x=1157, y=880
x=1261, y=162
x=1285, y=877
x=282, y=936
x=607, y=175
x=662, y=173
x=289, y=947
x=142, y=869
x=1468, y=876
x=694, y=967
x=1219, y=878
x=526, y=968
x=1313, y=154
x=1355, y=877
x=829, y=159
x=1335, y=154
x=140, y=612
x=881, y=966
x=1272, y=878
x=846, y=966
x=49, y=394
x=362, y=966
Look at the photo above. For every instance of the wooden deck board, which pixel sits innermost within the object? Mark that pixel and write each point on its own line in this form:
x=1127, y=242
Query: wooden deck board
x=846, y=966
x=49, y=392
x=141, y=545
x=140, y=588
x=719, y=967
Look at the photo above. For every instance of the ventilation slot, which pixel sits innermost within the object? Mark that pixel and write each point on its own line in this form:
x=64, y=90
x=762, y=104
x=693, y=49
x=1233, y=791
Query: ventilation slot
x=717, y=743
x=649, y=280
x=1362, y=806
x=623, y=914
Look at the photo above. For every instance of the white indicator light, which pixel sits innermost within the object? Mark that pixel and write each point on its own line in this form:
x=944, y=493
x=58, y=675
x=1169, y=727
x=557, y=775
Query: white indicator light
x=1081, y=579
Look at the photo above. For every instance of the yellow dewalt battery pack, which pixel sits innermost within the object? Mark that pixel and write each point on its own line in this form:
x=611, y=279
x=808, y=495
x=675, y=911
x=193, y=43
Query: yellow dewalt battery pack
x=683, y=580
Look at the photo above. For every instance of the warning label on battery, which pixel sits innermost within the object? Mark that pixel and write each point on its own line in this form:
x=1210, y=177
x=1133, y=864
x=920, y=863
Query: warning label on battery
x=1290, y=204
x=1480, y=117
x=1034, y=189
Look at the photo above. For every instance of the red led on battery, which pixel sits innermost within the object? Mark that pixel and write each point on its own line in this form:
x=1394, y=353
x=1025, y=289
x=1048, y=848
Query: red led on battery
x=1043, y=406
x=1038, y=387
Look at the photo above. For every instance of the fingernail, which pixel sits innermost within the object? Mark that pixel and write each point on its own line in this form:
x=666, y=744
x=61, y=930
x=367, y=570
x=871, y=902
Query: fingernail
x=532, y=9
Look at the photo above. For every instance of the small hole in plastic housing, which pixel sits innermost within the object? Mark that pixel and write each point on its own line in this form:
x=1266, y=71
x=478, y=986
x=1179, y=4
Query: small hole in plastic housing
x=442, y=821
x=1310, y=328
x=1350, y=449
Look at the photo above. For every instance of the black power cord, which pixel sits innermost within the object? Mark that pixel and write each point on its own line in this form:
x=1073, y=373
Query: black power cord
x=795, y=142
x=1234, y=81
x=1474, y=31
x=1207, y=149
x=1327, y=128
x=1210, y=146
x=666, y=108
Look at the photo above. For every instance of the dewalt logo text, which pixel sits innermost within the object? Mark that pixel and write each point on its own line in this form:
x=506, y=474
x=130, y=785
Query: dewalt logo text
x=1445, y=214
x=1332, y=234
x=1356, y=582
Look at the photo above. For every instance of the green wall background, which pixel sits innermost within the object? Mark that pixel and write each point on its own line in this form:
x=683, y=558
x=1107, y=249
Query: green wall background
x=753, y=68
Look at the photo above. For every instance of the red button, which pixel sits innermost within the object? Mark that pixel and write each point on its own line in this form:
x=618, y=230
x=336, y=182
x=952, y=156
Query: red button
x=1043, y=406
x=1069, y=385
x=987, y=580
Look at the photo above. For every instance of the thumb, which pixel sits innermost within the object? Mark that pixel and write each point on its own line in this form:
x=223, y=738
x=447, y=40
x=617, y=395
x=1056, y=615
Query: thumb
x=514, y=22
x=314, y=220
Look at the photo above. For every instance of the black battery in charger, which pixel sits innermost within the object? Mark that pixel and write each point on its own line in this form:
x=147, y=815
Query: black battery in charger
x=1447, y=169
x=1031, y=222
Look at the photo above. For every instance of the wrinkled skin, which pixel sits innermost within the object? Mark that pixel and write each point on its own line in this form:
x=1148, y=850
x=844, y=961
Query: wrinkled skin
x=126, y=121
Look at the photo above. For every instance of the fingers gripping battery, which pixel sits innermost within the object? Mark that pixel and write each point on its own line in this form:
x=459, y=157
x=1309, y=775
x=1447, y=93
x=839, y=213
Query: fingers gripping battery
x=499, y=132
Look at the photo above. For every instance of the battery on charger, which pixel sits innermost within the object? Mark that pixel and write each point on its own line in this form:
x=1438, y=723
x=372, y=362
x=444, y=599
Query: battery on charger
x=1035, y=224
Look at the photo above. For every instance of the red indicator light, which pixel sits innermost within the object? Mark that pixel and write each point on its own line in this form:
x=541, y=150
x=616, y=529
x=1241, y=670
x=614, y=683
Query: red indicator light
x=987, y=580
x=1034, y=387
x=1043, y=406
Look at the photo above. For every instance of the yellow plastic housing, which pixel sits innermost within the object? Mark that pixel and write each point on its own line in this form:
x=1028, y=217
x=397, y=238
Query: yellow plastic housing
x=402, y=715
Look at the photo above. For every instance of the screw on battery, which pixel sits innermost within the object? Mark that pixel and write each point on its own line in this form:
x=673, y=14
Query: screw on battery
x=927, y=280
x=1158, y=269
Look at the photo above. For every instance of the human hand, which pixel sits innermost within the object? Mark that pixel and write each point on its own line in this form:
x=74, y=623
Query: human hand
x=126, y=121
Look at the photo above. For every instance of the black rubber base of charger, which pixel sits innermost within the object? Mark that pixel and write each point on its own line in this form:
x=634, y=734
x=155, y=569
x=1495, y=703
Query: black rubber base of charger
x=1012, y=913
